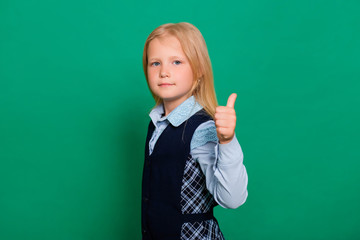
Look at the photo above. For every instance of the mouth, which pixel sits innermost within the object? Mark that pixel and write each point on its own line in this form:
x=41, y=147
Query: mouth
x=165, y=84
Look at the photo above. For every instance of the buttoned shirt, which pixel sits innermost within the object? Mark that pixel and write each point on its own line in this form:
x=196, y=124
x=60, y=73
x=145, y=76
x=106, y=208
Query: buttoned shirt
x=222, y=164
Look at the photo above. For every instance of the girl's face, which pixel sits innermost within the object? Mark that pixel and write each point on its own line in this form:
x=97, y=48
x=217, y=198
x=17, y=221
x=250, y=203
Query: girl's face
x=169, y=72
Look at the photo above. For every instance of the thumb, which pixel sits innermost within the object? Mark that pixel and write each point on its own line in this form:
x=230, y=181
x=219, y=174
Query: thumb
x=231, y=100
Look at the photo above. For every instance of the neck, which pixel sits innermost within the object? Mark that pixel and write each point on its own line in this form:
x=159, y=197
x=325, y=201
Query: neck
x=171, y=105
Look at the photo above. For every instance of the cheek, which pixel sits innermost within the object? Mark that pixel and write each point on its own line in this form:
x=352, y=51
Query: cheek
x=189, y=75
x=152, y=82
x=150, y=75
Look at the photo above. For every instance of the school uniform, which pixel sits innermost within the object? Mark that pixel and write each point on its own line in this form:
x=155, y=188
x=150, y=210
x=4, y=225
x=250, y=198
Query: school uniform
x=177, y=199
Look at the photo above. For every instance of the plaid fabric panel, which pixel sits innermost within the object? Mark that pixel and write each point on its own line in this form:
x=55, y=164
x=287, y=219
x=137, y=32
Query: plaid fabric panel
x=205, y=230
x=195, y=198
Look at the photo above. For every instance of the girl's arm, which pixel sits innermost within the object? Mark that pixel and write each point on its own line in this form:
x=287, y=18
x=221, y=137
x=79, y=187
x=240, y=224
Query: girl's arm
x=222, y=165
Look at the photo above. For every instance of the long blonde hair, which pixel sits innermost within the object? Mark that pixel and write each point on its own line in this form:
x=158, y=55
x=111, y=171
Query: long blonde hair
x=195, y=49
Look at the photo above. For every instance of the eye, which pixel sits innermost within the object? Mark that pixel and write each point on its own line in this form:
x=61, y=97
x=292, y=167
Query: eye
x=155, y=64
x=177, y=62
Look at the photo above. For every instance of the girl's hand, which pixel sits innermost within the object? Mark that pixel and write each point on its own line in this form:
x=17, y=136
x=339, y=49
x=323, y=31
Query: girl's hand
x=225, y=120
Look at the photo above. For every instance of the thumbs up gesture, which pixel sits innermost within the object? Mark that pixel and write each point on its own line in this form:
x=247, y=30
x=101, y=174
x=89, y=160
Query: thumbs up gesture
x=225, y=120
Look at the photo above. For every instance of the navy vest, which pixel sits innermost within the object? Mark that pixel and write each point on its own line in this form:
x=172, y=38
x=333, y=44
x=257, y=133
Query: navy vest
x=172, y=194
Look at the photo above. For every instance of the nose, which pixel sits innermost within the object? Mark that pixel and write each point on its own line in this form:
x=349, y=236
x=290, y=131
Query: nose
x=164, y=73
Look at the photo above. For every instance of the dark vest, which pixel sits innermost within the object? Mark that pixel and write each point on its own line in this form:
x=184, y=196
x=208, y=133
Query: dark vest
x=173, y=186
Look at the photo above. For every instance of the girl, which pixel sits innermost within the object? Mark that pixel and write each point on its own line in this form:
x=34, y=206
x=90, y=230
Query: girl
x=193, y=160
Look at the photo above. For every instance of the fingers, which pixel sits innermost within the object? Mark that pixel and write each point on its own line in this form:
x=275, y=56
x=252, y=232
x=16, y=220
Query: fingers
x=229, y=116
x=222, y=109
x=225, y=120
x=231, y=100
x=225, y=124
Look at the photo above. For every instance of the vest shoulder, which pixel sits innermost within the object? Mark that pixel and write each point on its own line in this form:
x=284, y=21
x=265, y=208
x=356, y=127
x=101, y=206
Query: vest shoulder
x=201, y=116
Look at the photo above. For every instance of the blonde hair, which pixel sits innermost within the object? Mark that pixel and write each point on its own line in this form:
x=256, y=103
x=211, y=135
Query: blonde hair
x=195, y=49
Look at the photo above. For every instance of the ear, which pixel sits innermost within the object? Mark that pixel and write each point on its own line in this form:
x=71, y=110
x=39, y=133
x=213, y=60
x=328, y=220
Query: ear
x=200, y=75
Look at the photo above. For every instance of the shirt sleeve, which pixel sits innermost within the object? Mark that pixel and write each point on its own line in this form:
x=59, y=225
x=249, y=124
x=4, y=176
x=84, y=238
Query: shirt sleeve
x=222, y=165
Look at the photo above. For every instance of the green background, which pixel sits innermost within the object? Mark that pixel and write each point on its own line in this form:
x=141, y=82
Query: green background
x=74, y=110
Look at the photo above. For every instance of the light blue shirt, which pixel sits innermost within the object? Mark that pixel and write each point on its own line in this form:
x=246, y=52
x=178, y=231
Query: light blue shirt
x=222, y=164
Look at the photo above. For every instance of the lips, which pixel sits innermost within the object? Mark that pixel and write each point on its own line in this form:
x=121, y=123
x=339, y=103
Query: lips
x=165, y=84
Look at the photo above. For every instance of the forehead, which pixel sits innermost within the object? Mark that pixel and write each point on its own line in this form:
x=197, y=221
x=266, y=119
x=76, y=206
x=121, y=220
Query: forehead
x=167, y=45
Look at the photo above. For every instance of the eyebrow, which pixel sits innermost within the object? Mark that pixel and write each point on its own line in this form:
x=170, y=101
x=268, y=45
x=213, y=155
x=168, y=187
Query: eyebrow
x=171, y=57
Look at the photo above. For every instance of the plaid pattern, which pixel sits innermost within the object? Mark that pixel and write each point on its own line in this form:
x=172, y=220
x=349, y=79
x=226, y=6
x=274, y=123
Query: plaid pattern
x=205, y=230
x=195, y=198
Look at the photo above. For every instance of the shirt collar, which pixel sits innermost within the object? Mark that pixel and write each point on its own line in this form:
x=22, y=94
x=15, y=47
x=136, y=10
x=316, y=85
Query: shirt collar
x=177, y=116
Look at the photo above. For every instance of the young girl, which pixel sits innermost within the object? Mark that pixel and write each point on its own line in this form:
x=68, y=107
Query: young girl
x=193, y=160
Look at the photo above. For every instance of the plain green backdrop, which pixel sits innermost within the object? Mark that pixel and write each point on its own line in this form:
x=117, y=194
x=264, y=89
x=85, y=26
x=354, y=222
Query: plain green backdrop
x=74, y=110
